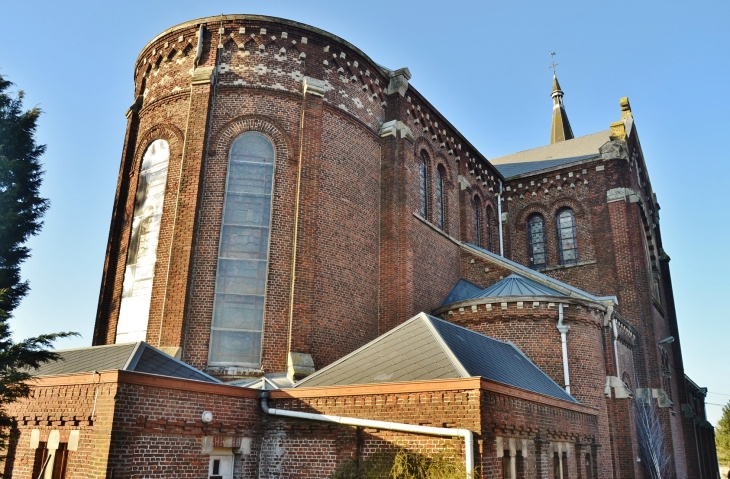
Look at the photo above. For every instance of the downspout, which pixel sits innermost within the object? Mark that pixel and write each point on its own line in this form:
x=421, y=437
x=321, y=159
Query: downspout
x=499, y=219
x=297, y=195
x=389, y=426
x=615, y=341
x=564, y=328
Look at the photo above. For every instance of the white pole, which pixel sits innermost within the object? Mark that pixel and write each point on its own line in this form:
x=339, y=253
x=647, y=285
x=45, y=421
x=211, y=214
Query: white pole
x=564, y=328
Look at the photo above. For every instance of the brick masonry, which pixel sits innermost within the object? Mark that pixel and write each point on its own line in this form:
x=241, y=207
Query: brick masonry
x=366, y=258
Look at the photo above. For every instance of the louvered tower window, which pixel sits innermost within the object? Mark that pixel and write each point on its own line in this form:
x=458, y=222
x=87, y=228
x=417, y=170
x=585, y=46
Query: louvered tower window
x=567, y=237
x=536, y=238
x=243, y=255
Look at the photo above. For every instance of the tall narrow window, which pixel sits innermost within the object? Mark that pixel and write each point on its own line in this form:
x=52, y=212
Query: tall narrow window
x=567, y=238
x=489, y=229
x=440, y=197
x=536, y=237
x=134, y=310
x=243, y=256
x=423, y=184
x=477, y=222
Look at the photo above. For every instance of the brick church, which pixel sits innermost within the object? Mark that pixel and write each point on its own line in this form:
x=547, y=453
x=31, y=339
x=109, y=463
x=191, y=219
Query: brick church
x=309, y=265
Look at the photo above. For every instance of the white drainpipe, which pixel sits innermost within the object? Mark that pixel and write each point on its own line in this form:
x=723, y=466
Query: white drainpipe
x=390, y=426
x=563, y=328
x=499, y=219
x=615, y=346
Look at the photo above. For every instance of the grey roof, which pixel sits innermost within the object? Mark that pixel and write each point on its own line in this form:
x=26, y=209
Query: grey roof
x=516, y=285
x=462, y=291
x=538, y=277
x=512, y=285
x=139, y=357
x=425, y=347
x=552, y=156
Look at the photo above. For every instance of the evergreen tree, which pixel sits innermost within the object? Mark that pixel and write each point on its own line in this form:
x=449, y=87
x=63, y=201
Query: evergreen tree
x=722, y=437
x=21, y=210
x=21, y=207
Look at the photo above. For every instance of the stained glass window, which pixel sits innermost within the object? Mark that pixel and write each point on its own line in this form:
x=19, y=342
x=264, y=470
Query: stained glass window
x=489, y=229
x=423, y=186
x=440, y=198
x=134, y=310
x=477, y=218
x=536, y=237
x=567, y=238
x=243, y=256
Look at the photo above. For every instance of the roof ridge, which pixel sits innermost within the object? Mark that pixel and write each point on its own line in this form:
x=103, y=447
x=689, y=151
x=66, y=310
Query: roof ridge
x=428, y=319
x=364, y=346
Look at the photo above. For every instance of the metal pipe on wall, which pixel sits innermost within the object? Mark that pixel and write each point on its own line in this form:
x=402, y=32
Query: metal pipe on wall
x=390, y=426
x=564, y=328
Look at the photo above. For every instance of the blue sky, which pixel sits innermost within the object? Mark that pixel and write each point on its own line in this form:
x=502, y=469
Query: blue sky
x=482, y=64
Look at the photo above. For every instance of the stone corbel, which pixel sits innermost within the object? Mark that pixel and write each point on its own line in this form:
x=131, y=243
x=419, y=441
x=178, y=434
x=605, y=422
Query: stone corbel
x=398, y=81
x=312, y=86
x=396, y=128
x=136, y=106
x=615, y=148
x=620, y=389
x=463, y=183
x=203, y=75
x=299, y=365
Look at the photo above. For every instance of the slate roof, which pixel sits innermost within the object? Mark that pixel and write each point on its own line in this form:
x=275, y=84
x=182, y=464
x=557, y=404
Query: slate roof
x=551, y=156
x=139, y=357
x=538, y=277
x=516, y=285
x=462, y=291
x=425, y=347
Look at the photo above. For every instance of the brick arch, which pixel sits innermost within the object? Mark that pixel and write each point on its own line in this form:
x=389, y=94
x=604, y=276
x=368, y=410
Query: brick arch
x=521, y=217
x=561, y=203
x=222, y=140
x=440, y=159
x=422, y=144
x=165, y=131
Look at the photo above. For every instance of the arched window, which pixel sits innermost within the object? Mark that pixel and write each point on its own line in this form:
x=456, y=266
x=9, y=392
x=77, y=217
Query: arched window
x=567, y=238
x=243, y=255
x=477, y=222
x=489, y=229
x=536, y=238
x=423, y=183
x=440, y=197
x=134, y=310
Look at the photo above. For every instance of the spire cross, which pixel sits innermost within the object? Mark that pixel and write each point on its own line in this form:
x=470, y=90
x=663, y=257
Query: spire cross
x=552, y=62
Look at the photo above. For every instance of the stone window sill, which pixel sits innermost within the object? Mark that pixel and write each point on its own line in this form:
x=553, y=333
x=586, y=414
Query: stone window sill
x=566, y=266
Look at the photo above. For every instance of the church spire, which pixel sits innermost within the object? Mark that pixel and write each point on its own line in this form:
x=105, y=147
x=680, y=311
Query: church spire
x=561, y=130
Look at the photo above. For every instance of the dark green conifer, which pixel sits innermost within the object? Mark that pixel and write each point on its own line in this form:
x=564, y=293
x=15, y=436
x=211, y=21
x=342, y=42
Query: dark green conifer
x=21, y=211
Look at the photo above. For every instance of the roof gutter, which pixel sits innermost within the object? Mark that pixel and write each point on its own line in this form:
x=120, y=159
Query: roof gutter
x=389, y=426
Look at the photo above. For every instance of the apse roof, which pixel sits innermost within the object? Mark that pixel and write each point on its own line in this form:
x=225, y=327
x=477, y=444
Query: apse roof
x=426, y=347
x=538, y=277
x=516, y=285
x=551, y=156
x=139, y=357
